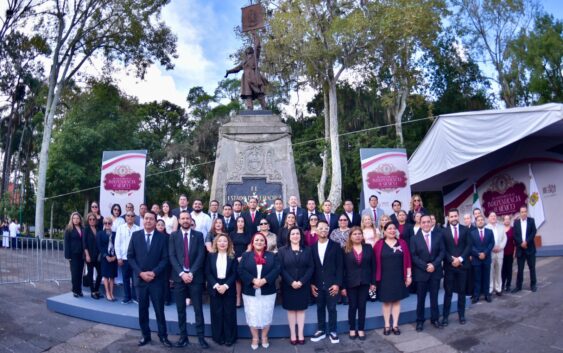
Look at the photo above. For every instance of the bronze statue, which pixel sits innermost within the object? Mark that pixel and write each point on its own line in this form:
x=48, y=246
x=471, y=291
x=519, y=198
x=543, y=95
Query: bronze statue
x=253, y=84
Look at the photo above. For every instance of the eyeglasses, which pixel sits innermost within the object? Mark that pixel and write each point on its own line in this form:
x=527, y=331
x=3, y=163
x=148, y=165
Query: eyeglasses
x=130, y=215
x=91, y=219
x=343, y=220
x=108, y=223
x=94, y=206
x=263, y=224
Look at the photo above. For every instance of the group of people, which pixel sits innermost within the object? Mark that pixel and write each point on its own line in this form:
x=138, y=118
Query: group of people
x=294, y=255
x=10, y=232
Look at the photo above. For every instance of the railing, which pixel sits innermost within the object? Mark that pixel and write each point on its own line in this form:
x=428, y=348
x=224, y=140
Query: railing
x=29, y=260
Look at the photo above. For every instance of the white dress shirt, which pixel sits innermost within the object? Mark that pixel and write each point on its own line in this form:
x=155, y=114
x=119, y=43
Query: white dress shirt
x=523, y=227
x=122, y=239
x=202, y=223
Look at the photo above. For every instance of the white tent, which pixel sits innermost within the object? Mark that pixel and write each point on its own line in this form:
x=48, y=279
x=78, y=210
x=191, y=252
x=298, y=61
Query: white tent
x=494, y=151
x=457, y=144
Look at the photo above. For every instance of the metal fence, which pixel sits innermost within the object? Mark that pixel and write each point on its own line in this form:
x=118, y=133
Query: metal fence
x=29, y=260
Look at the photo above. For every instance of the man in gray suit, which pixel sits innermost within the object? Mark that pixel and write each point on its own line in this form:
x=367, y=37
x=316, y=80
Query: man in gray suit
x=373, y=211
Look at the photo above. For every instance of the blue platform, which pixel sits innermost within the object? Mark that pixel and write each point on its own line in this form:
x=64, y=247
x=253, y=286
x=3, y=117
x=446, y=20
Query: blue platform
x=115, y=313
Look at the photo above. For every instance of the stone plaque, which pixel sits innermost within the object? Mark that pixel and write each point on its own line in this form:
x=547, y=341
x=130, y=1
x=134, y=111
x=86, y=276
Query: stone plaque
x=254, y=187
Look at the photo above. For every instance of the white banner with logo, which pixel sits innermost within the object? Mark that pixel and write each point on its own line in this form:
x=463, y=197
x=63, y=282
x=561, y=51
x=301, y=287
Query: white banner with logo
x=122, y=179
x=385, y=174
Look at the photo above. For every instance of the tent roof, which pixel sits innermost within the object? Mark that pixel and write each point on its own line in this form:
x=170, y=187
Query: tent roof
x=457, y=139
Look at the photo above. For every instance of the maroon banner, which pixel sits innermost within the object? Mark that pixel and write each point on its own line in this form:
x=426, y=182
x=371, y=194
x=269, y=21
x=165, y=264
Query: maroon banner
x=504, y=196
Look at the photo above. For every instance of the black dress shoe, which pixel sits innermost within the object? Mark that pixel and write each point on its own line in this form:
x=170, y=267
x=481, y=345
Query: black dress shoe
x=462, y=320
x=516, y=290
x=165, y=342
x=534, y=288
x=202, y=343
x=488, y=298
x=507, y=289
x=419, y=326
x=445, y=322
x=499, y=294
x=95, y=296
x=143, y=341
x=436, y=324
x=75, y=295
x=183, y=341
x=228, y=344
x=474, y=300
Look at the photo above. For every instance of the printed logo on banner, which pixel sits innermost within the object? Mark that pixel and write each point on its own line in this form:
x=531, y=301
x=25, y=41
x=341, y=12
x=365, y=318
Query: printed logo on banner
x=387, y=178
x=504, y=196
x=122, y=180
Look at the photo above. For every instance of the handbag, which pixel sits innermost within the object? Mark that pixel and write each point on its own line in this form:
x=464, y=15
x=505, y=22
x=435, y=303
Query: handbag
x=372, y=295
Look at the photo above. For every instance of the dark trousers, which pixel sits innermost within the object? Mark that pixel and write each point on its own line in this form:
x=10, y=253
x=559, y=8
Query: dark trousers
x=94, y=285
x=153, y=292
x=357, y=300
x=422, y=287
x=481, y=279
x=128, y=289
x=193, y=291
x=521, y=260
x=224, y=316
x=167, y=294
x=506, y=272
x=14, y=242
x=455, y=280
x=76, y=270
x=326, y=302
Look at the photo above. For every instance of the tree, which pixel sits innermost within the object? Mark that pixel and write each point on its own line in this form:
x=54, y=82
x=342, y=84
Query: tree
x=317, y=41
x=541, y=54
x=402, y=30
x=489, y=26
x=77, y=31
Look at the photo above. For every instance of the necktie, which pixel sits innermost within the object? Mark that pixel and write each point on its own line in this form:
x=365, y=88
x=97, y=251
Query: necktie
x=279, y=219
x=455, y=236
x=374, y=216
x=481, y=235
x=148, y=241
x=427, y=238
x=227, y=221
x=252, y=216
x=293, y=210
x=186, y=252
x=310, y=214
x=327, y=216
x=214, y=216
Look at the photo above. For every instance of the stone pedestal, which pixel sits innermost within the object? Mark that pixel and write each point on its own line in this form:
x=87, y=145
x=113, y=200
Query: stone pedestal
x=254, y=158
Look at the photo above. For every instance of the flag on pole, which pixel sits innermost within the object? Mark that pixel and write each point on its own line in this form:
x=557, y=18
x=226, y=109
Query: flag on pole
x=535, y=204
x=476, y=202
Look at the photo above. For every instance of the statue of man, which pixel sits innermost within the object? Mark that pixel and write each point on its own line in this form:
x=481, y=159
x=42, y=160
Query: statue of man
x=253, y=84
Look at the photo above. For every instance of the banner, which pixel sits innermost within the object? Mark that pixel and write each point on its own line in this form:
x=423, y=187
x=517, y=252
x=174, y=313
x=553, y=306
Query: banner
x=122, y=180
x=535, y=204
x=385, y=174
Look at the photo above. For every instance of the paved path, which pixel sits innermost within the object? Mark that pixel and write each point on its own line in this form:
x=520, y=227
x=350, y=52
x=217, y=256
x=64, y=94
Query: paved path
x=527, y=322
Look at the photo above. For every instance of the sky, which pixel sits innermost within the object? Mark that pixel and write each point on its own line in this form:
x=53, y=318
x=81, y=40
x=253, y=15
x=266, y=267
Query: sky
x=206, y=38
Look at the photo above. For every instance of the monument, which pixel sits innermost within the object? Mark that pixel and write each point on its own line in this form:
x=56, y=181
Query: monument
x=254, y=155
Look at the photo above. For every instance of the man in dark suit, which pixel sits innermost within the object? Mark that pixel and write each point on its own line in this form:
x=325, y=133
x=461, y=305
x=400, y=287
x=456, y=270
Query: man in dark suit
x=396, y=205
x=187, y=256
x=311, y=209
x=482, y=243
x=237, y=209
x=354, y=218
x=228, y=220
x=253, y=217
x=427, y=251
x=524, y=236
x=183, y=204
x=456, y=265
x=298, y=211
x=326, y=282
x=276, y=218
x=148, y=257
x=330, y=218
x=214, y=211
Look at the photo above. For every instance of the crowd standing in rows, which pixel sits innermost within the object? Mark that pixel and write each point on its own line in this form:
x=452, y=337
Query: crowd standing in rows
x=249, y=257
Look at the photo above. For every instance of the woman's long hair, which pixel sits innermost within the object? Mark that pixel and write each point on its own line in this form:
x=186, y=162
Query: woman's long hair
x=230, y=246
x=349, y=245
x=70, y=225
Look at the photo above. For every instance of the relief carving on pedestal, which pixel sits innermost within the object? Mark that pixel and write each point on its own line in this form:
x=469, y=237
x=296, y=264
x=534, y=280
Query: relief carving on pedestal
x=255, y=161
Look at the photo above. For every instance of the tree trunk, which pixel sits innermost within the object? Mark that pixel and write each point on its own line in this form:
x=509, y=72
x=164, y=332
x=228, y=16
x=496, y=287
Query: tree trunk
x=8, y=151
x=399, y=110
x=335, y=194
x=324, y=155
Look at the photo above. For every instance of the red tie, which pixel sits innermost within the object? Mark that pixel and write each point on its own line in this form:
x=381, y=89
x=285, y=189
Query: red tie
x=481, y=235
x=455, y=236
x=186, y=252
x=427, y=238
x=252, y=216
